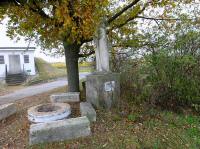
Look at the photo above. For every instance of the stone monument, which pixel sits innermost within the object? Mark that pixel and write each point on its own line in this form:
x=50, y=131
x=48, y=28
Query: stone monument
x=102, y=86
x=102, y=55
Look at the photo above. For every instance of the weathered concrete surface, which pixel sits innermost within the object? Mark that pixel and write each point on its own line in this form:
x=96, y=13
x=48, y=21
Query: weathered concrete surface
x=103, y=89
x=59, y=130
x=65, y=97
x=86, y=109
x=7, y=110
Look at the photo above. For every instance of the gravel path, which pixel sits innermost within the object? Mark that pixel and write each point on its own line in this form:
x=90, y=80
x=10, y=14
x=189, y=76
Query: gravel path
x=36, y=89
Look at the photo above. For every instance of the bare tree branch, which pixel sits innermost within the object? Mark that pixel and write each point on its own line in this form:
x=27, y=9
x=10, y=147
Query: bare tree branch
x=122, y=11
x=129, y=19
x=159, y=19
x=38, y=10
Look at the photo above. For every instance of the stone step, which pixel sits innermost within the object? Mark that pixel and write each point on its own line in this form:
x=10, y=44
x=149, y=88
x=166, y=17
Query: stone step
x=15, y=79
x=59, y=130
x=18, y=74
x=14, y=82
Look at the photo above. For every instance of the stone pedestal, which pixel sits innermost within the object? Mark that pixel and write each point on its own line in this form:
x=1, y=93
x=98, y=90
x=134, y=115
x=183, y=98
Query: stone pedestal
x=103, y=89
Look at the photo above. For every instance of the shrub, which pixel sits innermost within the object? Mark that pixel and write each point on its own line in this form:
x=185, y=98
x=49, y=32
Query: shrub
x=169, y=73
x=132, y=79
x=174, y=79
x=163, y=79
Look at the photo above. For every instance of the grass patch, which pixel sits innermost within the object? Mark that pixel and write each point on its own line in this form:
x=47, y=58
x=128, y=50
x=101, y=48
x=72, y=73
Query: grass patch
x=129, y=126
x=59, y=65
x=46, y=72
x=138, y=130
x=83, y=67
x=49, y=71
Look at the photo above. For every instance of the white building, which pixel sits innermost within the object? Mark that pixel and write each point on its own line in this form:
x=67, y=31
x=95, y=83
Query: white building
x=16, y=60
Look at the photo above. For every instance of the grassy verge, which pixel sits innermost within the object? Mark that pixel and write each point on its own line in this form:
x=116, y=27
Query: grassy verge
x=141, y=127
x=46, y=72
x=5, y=89
x=83, y=67
x=63, y=66
x=128, y=126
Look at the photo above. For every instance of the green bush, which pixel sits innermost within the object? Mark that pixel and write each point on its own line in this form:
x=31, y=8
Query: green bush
x=174, y=79
x=168, y=76
x=133, y=80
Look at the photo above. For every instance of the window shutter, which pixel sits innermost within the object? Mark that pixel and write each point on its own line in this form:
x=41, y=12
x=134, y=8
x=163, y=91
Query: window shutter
x=26, y=58
x=2, y=61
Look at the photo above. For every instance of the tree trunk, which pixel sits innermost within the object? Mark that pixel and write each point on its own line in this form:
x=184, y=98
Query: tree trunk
x=71, y=58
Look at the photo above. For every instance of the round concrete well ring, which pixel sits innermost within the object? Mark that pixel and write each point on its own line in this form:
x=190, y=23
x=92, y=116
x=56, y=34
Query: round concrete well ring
x=49, y=112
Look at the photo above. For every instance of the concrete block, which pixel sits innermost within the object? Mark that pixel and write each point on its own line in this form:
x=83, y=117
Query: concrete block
x=59, y=130
x=103, y=89
x=65, y=97
x=7, y=110
x=87, y=110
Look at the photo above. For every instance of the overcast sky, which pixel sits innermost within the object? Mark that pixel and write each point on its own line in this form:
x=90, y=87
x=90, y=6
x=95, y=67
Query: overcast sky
x=6, y=42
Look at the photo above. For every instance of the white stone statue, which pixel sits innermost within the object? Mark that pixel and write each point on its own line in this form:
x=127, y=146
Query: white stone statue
x=102, y=55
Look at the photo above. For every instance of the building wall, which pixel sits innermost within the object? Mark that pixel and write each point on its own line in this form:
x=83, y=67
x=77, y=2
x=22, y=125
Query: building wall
x=28, y=67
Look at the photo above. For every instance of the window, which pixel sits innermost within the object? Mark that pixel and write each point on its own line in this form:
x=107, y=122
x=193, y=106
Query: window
x=26, y=58
x=2, y=59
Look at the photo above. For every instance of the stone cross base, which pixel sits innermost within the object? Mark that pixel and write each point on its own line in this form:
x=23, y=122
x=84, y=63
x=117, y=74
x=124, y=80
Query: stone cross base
x=59, y=130
x=103, y=89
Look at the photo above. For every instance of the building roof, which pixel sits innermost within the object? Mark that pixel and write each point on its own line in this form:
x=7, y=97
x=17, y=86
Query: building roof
x=17, y=48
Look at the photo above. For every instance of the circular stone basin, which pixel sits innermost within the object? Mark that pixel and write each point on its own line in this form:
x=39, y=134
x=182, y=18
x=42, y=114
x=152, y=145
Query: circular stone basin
x=49, y=112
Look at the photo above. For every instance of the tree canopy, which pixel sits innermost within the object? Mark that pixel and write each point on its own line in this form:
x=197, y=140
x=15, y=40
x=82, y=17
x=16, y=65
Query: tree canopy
x=71, y=23
x=52, y=21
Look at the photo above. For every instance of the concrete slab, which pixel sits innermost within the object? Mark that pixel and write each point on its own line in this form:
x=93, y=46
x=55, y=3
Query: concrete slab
x=7, y=110
x=65, y=97
x=59, y=130
x=86, y=109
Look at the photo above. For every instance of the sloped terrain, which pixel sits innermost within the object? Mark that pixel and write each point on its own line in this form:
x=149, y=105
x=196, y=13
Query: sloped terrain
x=46, y=72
